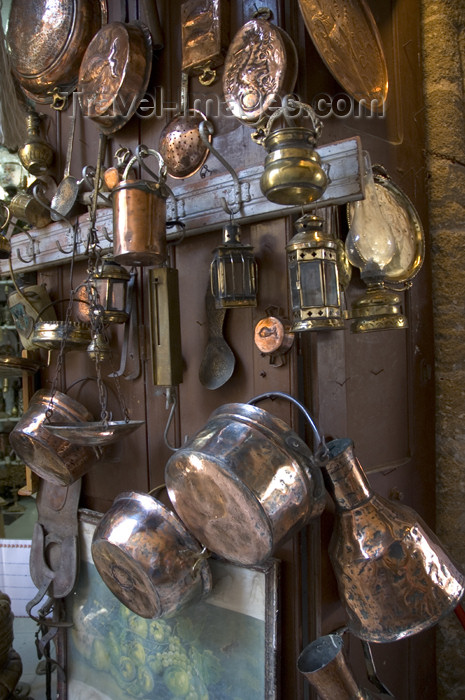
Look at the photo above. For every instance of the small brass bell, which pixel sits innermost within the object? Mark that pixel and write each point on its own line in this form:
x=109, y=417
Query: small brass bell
x=393, y=575
x=36, y=155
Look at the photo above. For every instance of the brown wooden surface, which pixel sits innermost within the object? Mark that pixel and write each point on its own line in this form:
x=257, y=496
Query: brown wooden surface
x=375, y=388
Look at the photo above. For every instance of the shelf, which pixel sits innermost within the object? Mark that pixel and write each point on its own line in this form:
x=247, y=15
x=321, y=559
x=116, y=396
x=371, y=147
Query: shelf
x=198, y=205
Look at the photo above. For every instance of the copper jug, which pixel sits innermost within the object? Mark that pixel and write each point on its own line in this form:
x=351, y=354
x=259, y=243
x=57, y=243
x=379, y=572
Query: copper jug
x=139, y=216
x=293, y=172
x=393, y=575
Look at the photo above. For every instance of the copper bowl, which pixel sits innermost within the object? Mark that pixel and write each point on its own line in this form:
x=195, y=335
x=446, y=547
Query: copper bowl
x=147, y=558
x=52, y=458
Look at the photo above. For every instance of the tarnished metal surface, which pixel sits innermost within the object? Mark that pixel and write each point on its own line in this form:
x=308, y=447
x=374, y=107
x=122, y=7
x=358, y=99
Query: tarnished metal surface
x=394, y=577
x=114, y=74
x=244, y=483
x=348, y=41
x=272, y=336
x=52, y=458
x=260, y=67
x=55, y=335
x=47, y=40
x=324, y=666
x=147, y=558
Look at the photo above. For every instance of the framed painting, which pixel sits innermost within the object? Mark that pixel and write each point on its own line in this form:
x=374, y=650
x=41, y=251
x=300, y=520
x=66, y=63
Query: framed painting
x=221, y=648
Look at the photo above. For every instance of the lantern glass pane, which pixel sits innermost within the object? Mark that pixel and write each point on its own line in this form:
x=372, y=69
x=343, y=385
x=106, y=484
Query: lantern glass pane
x=294, y=285
x=331, y=283
x=311, y=282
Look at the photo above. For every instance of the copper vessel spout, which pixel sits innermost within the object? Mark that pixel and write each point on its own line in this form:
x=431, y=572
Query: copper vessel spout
x=394, y=577
x=325, y=667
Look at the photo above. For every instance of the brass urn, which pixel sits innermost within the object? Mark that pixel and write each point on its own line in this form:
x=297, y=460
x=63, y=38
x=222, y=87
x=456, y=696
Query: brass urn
x=36, y=155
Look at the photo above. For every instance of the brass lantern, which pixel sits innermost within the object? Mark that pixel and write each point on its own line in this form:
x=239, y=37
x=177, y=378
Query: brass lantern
x=233, y=271
x=109, y=283
x=312, y=258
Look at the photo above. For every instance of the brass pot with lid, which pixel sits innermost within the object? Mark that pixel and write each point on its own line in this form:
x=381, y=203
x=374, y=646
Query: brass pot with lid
x=293, y=172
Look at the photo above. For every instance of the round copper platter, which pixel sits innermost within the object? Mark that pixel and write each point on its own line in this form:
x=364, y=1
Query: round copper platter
x=47, y=40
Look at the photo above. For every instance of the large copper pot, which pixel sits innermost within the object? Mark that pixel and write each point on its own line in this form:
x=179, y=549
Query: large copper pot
x=47, y=40
x=244, y=483
x=52, y=458
x=147, y=558
x=394, y=577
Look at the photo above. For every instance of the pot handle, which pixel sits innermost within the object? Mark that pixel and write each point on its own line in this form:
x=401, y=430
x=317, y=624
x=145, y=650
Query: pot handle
x=261, y=134
x=322, y=449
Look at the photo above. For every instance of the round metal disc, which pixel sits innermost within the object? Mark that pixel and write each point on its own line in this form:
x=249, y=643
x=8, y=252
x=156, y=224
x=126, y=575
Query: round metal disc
x=181, y=146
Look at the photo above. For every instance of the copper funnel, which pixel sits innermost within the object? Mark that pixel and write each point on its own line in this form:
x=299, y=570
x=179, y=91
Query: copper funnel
x=394, y=577
x=325, y=667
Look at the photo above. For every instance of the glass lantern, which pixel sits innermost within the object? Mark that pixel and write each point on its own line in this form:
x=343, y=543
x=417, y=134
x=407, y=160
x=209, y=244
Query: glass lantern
x=233, y=271
x=110, y=282
x=312, y=259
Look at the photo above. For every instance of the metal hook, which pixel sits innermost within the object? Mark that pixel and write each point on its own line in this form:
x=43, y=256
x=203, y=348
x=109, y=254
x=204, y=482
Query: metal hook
x=106, y=235
x=33, y=252
x=206, y=130
x=171, y=397
x=37, y=193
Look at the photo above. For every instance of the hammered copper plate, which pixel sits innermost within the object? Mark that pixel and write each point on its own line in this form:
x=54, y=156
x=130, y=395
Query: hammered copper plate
x=47, y=40
x=260, y=67
x=347, y=38
x=114, y=74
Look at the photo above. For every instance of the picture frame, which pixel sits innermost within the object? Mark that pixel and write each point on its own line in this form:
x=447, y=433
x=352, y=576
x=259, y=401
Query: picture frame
x=224, y=647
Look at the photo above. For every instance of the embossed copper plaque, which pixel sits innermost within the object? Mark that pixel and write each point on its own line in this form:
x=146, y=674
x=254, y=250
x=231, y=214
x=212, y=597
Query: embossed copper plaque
x=114, y=74
x=203, y=34
x=260, y=66
x=347, y=38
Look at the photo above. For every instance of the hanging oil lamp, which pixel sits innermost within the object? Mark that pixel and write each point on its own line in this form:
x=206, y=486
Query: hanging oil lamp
x=371, y=246
x=233, y=271
x=393, y=575
x=107, y=286
x=312, y=259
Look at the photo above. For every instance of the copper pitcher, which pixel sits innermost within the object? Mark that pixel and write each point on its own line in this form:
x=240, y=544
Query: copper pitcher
x=139, y=216
x=393, y=575
x=244, y=484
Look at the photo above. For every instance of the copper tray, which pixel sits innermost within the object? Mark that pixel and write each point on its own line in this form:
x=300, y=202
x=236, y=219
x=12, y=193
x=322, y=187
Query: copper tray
x=11, y=366
x=347, y=39
x=47, y=40
x=95, y=433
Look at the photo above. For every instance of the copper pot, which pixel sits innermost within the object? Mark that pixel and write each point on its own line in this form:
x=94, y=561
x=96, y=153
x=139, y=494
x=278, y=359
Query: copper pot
x=147, y=558
x=52, y=458
x=47, y=41
x=244, y=484
x=139, y=216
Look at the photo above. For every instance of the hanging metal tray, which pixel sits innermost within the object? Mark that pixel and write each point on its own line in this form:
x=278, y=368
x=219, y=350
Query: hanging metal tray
x=96, y=433
x=348, y=41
